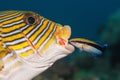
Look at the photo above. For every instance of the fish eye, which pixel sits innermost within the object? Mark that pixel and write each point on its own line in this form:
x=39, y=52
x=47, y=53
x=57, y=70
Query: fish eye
x=31, y=18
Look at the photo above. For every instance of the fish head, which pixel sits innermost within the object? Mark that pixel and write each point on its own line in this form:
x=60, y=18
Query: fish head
x=61, y=35
x=35, y=38
x=28, y=33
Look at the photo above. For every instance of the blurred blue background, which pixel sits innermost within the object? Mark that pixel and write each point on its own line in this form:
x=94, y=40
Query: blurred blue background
x=98, y=20
x=84, y=16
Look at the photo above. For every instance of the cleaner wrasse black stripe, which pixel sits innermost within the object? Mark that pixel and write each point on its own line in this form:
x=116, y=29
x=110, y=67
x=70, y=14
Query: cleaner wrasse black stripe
x=83, y=44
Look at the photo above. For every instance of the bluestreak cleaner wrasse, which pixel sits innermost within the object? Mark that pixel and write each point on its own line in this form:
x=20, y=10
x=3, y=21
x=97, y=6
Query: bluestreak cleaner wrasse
x=29, y=44
x=88, y=45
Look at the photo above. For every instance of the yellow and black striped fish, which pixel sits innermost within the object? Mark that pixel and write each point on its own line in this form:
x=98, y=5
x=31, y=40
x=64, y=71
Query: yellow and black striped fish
x=29, y=44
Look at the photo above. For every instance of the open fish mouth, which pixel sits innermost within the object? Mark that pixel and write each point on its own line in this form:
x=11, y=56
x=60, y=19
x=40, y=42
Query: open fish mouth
x=62, y=37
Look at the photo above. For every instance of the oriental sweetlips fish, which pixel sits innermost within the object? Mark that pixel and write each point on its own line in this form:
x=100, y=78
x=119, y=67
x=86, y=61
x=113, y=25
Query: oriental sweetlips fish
x=30, y=43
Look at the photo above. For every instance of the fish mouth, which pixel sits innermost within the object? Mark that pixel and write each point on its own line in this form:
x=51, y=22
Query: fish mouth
x=62, y=37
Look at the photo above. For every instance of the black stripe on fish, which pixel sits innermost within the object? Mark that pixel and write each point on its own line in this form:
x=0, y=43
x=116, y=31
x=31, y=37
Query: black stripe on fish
x=101, y=48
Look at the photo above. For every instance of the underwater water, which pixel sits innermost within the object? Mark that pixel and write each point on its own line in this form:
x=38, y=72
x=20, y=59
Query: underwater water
x=84, y=16
x=90, y=19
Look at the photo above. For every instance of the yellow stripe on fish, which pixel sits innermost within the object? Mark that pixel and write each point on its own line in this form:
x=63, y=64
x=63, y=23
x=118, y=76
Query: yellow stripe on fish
x=29, y=44
x=10, y=15
x=15, y=19
x=26, y=32
x=83, y=40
